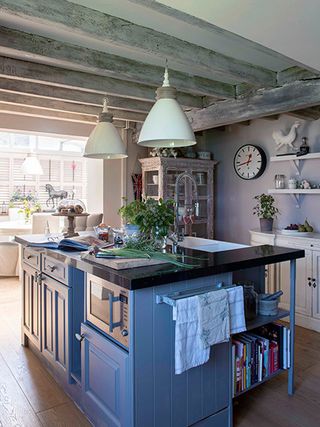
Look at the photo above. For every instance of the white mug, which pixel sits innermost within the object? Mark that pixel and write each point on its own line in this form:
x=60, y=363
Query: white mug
x=292, y=184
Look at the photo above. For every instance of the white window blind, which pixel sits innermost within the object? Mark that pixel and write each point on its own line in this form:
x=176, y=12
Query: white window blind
x=61, y=173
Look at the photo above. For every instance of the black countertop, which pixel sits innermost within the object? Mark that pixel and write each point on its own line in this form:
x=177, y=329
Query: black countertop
x=209, y=264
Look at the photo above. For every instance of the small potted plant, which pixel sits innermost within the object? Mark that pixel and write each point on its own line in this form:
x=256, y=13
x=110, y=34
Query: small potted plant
x=152, y=217
x=265, y=210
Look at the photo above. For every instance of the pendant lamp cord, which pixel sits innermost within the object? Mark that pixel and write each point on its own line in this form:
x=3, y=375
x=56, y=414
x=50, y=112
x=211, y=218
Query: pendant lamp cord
x=166, y=82
x=105, y=105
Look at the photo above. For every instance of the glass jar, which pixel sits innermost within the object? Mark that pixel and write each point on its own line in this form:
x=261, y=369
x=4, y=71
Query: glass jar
x=279, y=181
x=250, y=301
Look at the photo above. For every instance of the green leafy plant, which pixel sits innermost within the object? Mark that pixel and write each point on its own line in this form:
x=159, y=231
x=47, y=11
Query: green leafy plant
x=29, y=208
x=130, y=211
x=19, y=197
x=265, y=207
x=152, y=216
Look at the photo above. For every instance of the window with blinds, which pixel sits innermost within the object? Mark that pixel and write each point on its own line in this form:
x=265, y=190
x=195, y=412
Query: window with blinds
x=60, y=169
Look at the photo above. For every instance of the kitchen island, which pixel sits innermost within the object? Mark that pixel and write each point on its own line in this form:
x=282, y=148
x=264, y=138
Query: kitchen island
x=108, y=335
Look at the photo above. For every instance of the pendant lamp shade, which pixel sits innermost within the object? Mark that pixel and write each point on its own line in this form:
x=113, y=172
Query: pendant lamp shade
x=31, y=166
x=166, y=124
x=104, y=141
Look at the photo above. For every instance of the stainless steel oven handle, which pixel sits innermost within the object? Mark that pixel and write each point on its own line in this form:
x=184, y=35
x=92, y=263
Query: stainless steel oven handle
x=112, y=324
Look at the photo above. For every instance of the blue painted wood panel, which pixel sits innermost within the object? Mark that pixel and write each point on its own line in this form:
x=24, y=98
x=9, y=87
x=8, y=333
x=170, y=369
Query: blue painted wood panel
x=105, y=380
x=221, y=419
x=76, y=282
x=31, y=309
x=161, y=397
x=56, y=323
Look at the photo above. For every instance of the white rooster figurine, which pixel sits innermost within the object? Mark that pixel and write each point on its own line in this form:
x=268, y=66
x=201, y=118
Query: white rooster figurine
x=281, y=139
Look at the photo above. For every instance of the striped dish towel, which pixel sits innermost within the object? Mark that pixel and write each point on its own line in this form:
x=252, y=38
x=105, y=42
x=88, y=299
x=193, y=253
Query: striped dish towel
x=236, y=308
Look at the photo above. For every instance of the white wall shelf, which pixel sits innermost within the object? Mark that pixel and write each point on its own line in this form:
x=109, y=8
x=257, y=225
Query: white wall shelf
x=297, y=162
x=295, y=194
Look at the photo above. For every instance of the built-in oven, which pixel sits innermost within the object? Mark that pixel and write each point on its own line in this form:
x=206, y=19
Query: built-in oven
x=108, y=308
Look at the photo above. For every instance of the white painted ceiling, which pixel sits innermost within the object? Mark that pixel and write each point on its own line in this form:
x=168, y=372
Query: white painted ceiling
x=290, y=27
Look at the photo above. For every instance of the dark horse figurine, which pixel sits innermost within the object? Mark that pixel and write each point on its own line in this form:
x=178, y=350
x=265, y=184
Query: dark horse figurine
x=55, y=195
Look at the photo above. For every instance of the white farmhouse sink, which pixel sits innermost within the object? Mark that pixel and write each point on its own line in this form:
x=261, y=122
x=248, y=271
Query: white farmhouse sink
x=209, y=245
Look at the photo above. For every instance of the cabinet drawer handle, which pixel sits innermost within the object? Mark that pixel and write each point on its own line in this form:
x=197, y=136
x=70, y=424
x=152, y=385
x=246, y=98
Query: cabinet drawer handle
x=51, y=267
x=314, y=284
x=309, y=283
x=29, y=256
x=79, y=337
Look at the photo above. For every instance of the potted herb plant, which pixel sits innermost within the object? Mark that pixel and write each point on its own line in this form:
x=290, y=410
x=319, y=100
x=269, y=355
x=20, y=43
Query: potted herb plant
x=153, y=217
x=265, y=210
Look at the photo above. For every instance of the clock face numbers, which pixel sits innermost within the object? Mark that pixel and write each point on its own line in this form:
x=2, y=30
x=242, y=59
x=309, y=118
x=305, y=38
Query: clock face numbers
x=249, y=162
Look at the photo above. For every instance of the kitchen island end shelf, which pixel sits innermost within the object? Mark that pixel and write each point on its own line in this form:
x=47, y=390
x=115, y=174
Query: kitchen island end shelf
x=118, y=364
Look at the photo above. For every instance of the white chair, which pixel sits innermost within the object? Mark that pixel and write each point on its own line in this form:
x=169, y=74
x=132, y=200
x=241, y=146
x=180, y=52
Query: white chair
x=9, y=257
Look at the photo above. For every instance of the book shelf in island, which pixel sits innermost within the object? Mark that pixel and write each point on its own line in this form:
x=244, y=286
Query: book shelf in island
x=269, y=377
x=265, y=320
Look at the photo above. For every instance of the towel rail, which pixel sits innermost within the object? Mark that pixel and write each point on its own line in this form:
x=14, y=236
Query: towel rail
x=171, y=299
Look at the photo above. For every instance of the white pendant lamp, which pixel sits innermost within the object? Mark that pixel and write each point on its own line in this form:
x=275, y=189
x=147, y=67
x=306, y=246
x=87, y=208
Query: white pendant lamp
x=104, y=141
x=31, y=166
x=166, y=124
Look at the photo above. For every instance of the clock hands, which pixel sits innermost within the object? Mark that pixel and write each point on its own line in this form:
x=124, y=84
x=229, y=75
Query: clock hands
x=248, y=161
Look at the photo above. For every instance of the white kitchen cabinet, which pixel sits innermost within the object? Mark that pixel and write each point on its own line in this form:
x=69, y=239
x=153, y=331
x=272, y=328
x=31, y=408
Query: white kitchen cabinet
x=303, y=291
x=308, y=275
x=316, y=285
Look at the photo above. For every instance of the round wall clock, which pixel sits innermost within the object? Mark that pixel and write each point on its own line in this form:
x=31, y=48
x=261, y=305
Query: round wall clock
x=250, y=162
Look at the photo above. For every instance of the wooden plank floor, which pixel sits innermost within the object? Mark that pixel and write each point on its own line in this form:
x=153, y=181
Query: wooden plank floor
x=30, y=397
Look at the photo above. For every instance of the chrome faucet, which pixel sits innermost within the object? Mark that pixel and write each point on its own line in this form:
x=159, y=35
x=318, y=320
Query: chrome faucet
x=184, y=175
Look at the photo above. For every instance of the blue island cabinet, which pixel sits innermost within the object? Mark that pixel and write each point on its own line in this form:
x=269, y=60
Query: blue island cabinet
x=200, y=396
x=55, y=323
x=105, y=380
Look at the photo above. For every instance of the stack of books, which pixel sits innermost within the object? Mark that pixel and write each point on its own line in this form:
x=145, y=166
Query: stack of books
x=258, y=354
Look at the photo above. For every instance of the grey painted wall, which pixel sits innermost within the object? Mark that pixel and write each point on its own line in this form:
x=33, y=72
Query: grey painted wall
x=234, y=196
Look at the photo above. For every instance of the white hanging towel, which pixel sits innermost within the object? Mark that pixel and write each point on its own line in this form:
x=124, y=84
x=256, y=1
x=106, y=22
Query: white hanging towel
x=236, y=307
x=214, y=317
x=189, y=350
x=201, y=321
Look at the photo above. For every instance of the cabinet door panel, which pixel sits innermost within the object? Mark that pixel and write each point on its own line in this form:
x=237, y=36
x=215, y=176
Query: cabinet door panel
x=316, y=283
x=31, y=314
x=47, y=307
x=26, y=284
x=61, y=328
x=303, y=291
x=105, y=380
x=55, y=320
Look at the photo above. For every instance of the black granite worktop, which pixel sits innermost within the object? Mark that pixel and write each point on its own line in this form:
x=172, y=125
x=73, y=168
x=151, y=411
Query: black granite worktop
x=206, y=264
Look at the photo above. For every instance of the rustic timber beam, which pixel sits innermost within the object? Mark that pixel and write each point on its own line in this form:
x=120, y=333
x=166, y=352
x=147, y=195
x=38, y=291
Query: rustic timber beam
x=18, y=87
x=27, y=46
x=32, y=101
x=22, y=110
x=271, y=118
x=39, y=73
x=290, y=97
x=306, y=114
x=295, y=73
x=85, y=22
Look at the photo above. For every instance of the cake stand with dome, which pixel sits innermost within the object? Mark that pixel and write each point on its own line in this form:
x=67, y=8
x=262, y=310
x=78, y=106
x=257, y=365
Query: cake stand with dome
x=71, y=208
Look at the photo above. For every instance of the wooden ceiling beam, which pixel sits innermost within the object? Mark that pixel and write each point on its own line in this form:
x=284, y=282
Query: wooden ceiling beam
x=293, y=74
x=306, y=114
x=27, y=46
x=85, y=22
x=290, y=97
x=18, y=87
x=50, y=104
x=28, y=111
x=55, y=76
